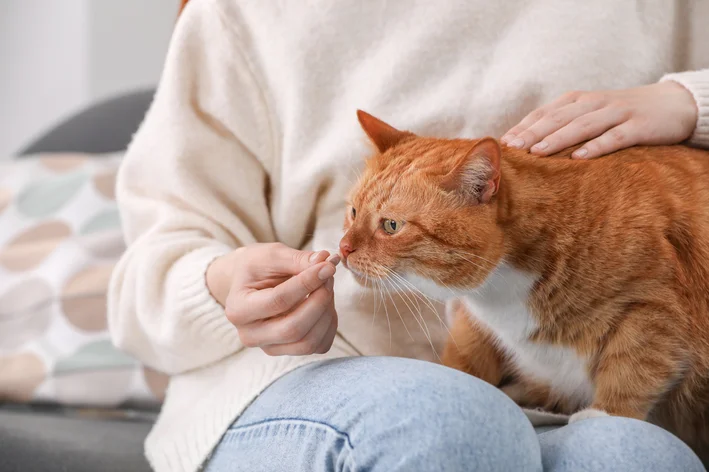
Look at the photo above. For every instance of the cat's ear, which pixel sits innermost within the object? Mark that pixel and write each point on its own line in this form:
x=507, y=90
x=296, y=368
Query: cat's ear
x=477, y=175
x=381, y=134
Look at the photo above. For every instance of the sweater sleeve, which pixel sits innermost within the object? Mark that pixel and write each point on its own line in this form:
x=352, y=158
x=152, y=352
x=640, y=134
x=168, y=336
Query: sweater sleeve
x=697, y=82
x=192, y=187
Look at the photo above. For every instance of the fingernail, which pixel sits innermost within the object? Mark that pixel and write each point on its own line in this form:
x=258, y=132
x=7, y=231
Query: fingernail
x=330, y=284
x=507, y=138
x=334, y=259
x=517, y=143
x=326, y=272
x=580, y=153
x=314, y=257
x=540, y=146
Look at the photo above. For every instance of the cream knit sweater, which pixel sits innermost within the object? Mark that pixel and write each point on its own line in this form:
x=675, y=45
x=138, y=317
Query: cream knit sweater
x=252, y=136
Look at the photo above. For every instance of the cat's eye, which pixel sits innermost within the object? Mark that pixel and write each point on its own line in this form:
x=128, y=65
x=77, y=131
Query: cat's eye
x=354, y=213
x=391, y=226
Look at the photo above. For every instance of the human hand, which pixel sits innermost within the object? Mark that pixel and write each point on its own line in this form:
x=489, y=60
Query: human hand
x=661, y=113
x=280, y=299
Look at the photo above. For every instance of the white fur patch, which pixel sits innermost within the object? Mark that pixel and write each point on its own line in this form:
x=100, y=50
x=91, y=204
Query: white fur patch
x=501, y=304
x=432, y=289
x=587, y=414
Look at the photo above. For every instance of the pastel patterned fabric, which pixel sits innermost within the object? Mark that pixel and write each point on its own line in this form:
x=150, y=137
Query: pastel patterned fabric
x=59, y=240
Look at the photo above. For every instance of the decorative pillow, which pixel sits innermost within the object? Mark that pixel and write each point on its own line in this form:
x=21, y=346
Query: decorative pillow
x=59, y=240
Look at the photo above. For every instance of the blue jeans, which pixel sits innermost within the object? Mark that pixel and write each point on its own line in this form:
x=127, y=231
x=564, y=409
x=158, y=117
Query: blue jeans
x=384, y=414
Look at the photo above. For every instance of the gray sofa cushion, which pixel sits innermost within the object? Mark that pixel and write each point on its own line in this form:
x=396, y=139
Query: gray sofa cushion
x=49, y=442
x=105, y=127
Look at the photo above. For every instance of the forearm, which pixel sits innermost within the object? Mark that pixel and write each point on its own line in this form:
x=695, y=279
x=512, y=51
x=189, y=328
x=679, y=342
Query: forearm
x=191, y=189
x=161, y=311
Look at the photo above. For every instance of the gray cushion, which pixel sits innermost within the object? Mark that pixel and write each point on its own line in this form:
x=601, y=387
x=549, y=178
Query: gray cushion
x=48, y=442
x=102, y=128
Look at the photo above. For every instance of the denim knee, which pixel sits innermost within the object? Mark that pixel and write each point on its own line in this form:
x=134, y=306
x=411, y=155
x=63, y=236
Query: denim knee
x=429, y=417
x=615, y=443
x=402, y=415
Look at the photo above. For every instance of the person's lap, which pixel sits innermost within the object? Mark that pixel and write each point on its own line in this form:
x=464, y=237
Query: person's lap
x=391, y=414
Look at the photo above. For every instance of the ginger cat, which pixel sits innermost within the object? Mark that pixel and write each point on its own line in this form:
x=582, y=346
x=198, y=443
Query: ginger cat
x=581, y=286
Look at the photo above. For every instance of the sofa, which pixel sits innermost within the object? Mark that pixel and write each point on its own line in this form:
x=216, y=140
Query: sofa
x=47, y=437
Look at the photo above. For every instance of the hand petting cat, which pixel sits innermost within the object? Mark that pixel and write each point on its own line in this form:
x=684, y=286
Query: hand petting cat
x=661, y=113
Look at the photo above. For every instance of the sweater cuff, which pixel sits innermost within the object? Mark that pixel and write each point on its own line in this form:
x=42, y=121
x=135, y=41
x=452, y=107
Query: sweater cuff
x=203, y=318
x=697, y=82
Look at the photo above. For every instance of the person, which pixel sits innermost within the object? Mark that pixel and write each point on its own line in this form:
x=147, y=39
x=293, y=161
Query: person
x=232, y=197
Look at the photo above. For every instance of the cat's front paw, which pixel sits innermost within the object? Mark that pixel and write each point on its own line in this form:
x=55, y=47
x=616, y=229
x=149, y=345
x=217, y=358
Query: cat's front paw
x=587, y=414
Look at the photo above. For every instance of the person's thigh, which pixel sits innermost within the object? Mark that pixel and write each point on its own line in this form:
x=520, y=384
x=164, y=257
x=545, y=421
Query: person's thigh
x=379, y=414
x=615, y=444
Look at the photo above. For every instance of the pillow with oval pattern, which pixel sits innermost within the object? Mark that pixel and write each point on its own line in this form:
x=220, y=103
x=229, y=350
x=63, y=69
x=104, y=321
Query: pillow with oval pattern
x=59, y=240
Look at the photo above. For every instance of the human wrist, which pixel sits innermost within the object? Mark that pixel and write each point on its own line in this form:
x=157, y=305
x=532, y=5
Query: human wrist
x=697, y=84
x=218, y=278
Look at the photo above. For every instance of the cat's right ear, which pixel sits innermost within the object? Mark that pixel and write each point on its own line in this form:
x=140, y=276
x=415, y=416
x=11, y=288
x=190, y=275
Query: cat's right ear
x=383, y=136
x=477, y=175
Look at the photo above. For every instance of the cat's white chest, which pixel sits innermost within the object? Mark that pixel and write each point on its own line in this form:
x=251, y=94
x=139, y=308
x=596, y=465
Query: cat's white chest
x=501, y=304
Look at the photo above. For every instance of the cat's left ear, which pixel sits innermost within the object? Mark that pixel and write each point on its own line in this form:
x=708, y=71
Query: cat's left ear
x=477, y=175
x=383, y=136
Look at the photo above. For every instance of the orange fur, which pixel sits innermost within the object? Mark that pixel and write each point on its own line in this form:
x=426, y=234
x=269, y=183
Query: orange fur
x=474, y=351
x=619, y=247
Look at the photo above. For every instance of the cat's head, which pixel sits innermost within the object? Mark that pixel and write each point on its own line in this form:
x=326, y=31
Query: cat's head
x=424, y=212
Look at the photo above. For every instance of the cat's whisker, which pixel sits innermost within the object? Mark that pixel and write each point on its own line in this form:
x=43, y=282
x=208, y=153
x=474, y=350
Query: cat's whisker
x=415, y=299
x=361, y=295
x=409, y=287
x=398, y=312
x=444, y=285
x=404, y=290
x=418, y=293
x=472, y=262
x=357, y=176
x=386, y=311
x=397, y=309
x=478, y=266
x=413, y=288
x=435, y=311
x=424, y=327
x=453, y=295
x=492, y=264
x=402, y=293
x=374, y=294
x=417, y=312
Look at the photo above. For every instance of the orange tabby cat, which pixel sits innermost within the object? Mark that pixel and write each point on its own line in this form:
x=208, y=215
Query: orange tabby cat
x=582, y=285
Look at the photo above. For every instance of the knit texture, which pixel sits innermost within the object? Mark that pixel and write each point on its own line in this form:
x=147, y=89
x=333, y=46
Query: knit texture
x=697, y=82
x=252, y=137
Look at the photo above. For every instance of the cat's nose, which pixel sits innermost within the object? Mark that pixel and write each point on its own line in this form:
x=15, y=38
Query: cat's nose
x=346, y=249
